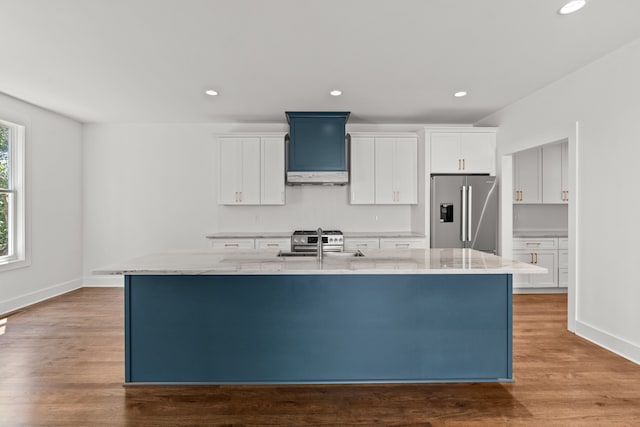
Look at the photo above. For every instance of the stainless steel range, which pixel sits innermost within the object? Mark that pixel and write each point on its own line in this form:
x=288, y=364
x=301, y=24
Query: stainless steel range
x=307, y=241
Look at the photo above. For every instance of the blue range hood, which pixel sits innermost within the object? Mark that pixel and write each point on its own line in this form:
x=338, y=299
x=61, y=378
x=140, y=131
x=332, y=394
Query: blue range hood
x=318, y=152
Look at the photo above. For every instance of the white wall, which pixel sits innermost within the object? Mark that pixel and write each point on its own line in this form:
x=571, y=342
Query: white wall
x=604, y=98
x=153, y=187
x=54, y=206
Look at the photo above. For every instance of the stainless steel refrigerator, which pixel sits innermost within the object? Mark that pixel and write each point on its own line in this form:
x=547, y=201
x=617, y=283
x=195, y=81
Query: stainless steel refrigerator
x=464, y=212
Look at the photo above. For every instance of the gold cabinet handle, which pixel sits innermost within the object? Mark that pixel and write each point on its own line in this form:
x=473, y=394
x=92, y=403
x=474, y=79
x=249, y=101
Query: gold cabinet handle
x=230, y=245
x=459, y=165
x=518, y=195
x=531, y=255
x=533, y=243
x=535, y=257
x=463, y=166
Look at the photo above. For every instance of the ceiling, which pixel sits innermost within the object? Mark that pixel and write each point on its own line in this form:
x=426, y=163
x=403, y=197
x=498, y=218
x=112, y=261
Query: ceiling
x=396, y=61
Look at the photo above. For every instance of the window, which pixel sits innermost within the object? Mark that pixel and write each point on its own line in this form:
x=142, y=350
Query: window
x=12, y=198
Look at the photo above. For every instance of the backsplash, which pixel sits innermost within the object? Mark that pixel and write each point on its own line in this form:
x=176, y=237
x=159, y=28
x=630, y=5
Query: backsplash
x=309, y=207
x=540, y=217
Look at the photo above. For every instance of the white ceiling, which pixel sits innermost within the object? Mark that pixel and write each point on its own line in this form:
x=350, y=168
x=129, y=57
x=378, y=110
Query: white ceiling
x=397, y=61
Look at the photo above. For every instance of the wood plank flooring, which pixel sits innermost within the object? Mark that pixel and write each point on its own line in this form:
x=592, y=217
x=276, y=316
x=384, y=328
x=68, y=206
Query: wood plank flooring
x=61, y=364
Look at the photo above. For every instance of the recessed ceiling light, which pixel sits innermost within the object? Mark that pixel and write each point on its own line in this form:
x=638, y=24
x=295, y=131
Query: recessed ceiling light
x=335, y=92
x=211, y=92
x=572, y=6
x=460, y=94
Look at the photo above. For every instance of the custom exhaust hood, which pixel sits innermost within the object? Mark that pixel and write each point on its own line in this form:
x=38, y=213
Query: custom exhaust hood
x=318, y=148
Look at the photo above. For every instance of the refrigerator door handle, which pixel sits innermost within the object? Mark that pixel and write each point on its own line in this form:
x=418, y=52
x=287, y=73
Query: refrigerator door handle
x=469, y=217
x=463, y=213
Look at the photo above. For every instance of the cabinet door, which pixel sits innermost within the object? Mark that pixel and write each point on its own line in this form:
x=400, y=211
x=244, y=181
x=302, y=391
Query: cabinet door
x=477, y=151
x=272, y=171
x=363, y=182
x=564, y=168
x=230, y=170
x=445, y=153
x=384, y=160
x=552, y=191
x=405, y=171
x=527, y=171
x=549, y=260
x=250, y=191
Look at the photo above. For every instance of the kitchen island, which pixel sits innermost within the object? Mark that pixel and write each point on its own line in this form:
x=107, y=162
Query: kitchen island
x=249, y=316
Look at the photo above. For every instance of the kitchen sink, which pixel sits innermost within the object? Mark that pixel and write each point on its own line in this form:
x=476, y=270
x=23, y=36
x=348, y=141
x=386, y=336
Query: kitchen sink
x=346, y=254
x=297, y=254
x=303, y=255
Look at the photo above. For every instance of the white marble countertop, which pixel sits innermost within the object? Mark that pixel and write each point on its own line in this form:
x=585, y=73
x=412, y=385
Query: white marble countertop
x=250, y=235
x=287, y=234
x=383, y=234
x=375, y=261
x=540, y=233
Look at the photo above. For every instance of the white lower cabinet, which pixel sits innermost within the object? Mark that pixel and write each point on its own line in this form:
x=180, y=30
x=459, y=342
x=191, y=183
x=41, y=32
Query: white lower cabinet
x=233, y=243
x=547, y=258
x=563, y=265
x=402, y=243
x=279, y=243
x=361, y=243
x=543, y=252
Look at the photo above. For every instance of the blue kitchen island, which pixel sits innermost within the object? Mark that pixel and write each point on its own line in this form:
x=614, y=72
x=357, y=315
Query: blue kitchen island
x=218, y=317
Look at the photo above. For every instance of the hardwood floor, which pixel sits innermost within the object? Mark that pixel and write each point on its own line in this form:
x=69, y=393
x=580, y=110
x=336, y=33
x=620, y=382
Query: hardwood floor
x=61, y=363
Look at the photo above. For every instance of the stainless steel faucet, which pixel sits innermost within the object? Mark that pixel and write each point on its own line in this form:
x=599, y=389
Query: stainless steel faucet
x=319, y=250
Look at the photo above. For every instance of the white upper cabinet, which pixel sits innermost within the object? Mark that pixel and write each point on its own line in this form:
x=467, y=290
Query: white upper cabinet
x=527, y=176
x=396, y=170
x=554, y=173
x=251, y=170
x=540, y=175
x=445, y=153
x=463, y=152
x=239, y=181
x=478, y=152
x=363, y=184
x=384, y=169
x=272, y=171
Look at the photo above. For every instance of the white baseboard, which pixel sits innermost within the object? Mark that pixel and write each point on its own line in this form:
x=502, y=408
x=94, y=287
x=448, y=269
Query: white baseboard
x=103, y=281
x=619, y=346
x=17, y=303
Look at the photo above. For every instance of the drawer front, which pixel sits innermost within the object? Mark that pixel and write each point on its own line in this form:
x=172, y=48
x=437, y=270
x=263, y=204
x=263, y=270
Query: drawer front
x=233, y=243
x=563, y=259
x=367, y=243
x=535, y=244
x=282, y=243
x=563, y=243
x=402, y=243
x=563, y=277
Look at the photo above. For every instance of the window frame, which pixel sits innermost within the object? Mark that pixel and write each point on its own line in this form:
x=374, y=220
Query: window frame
x=18, y=255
